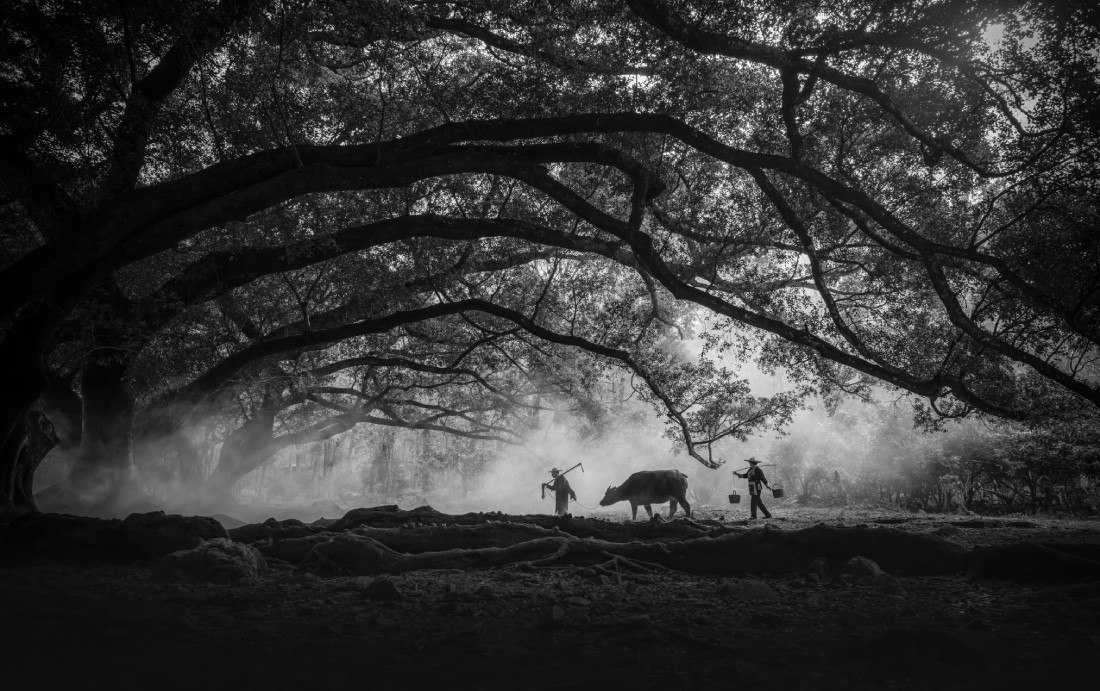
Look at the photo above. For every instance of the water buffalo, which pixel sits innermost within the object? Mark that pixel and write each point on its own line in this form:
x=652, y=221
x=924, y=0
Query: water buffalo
x=647, y=487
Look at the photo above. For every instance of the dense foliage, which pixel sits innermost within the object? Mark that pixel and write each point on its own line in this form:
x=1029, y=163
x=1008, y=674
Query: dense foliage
x=870, y=454
x=281, y=219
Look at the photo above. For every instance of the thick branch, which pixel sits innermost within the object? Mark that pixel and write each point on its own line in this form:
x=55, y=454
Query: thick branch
x=148, y=94
x=564, y=62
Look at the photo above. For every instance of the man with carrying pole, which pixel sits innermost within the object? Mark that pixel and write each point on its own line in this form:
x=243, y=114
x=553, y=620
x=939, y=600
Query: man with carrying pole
x=561, y=489
x=756, y=478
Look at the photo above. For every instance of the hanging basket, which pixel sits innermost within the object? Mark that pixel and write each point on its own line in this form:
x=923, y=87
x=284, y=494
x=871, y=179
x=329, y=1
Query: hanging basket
x=777, y=491
x=735, y=498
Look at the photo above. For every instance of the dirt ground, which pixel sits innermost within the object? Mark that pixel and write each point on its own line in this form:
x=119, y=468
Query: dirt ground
x=519, y=627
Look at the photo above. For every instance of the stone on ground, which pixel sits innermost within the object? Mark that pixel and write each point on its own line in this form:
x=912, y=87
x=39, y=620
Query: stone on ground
x=749, y=591
x=218, y=561
x=862, y=569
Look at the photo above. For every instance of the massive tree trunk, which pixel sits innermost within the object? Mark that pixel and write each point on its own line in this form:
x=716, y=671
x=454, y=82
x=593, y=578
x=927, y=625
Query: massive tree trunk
x=24, y=381
x=41, y=437
x=246, y=449
x=175, y=457
x=102, y=480
x=189, y=460
x=65, y=412
x=254, y=443
x=10, y=458
x=25, y=449
x=54, y=420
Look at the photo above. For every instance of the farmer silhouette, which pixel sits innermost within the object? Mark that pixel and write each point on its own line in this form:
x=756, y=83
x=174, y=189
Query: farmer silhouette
x=756, y=478
x=562, y=492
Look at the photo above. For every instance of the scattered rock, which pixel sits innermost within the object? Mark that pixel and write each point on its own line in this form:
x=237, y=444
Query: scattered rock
x=158, y=533
x=271, y=529
x=227, y=522
x=979, y=625
x=862, y=569
x=301, y=578
x=348, y=553
x=552, y=617
x=485, y=593
x=818, y=570
x=293, y=550
x=749, y=591
x=219, y=561
x=328, y=508
x=382, y=589
x=889, y=585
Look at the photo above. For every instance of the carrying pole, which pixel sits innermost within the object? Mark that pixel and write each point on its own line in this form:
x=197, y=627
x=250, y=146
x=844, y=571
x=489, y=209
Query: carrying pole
x=758, y=465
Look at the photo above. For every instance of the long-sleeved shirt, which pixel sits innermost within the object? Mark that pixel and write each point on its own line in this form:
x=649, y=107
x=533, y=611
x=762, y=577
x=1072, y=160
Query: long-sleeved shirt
x=756, y=479
x=562, y=490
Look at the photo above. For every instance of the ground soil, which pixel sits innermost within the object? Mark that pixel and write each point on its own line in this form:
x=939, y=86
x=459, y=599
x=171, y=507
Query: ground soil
x=519, y=627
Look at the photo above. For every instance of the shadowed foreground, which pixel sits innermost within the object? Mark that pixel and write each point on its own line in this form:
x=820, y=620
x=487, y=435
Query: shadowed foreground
x=540, y=602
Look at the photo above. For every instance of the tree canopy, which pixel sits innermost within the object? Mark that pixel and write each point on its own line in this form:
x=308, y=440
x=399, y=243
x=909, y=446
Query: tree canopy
x=367, y=211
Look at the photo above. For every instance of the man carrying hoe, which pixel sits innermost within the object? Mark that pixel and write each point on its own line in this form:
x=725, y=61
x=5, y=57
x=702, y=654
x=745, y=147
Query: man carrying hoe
x=562, y=492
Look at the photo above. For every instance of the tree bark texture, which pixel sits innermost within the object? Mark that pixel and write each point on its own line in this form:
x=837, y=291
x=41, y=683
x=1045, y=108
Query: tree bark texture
x=25, y=449
x=108, y=413
x=247, y=448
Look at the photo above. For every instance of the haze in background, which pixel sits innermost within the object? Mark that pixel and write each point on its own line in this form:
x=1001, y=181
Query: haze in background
x=413, y=468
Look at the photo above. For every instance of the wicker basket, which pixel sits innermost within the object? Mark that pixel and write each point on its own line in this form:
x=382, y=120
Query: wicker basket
x=735, y=498
x=777, y=491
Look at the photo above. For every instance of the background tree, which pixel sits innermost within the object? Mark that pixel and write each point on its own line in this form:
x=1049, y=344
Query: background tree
x=876, y=189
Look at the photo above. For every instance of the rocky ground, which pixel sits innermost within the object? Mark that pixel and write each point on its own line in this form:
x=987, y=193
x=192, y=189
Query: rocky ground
x=82, y=622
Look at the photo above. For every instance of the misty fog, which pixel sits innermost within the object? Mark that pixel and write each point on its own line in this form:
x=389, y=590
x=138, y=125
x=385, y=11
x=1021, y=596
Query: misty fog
x=374, y=466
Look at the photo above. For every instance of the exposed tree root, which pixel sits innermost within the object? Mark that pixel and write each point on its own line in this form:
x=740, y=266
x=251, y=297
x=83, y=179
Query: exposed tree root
x=768, y=551
x=580, y=553
x=366, y=549
x=425, y=519
x=79, y=539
